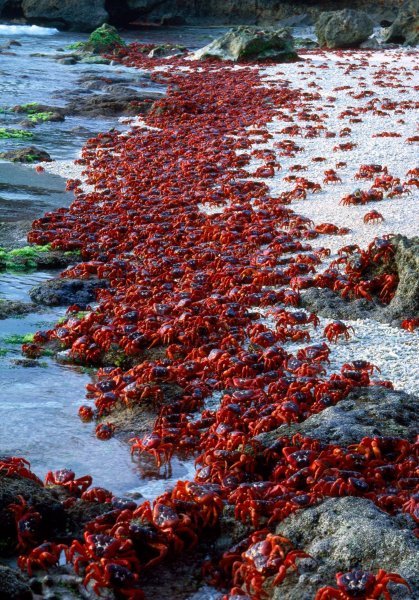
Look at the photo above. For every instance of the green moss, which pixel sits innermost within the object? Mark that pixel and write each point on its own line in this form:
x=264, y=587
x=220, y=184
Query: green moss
x=103, y=39
x=3, y=351
x=33, y=112
x=40, y=117
x=76, y=46
x=6, y=134
x=21, y=259
x=26, y=338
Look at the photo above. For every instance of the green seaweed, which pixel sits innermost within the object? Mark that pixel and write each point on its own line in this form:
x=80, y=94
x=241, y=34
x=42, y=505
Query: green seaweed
x=18, y=338
x=21, y=259
x=76, y=46
x=6, y=134
x=40, y=117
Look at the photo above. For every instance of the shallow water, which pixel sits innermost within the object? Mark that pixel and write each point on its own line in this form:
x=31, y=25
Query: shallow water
x=38, y=404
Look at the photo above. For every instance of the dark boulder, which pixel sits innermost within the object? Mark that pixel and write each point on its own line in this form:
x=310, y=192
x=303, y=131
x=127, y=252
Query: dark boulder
x=341, y=534
x=13, y=586
x=405, y=303
x=29, y=154
x=366, y=412
x=71, y=15
x=63, y=292
x=405, y=29
x=343, y=28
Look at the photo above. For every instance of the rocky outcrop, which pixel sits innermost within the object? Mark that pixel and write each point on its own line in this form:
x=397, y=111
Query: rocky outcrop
x=63, y=292
x=44, y=501
x=251, y=43
x=13, y=586
x=366, y=412
x=405, y=303
x=29, y=154
x=78, y=15
x=405, y=28
x=72, y=15
x=342, y=534
x=343, y=28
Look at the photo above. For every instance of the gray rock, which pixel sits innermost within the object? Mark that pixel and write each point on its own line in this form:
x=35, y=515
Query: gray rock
x=405, y=303
x=90, y=59
x=43, y=501
x=343, y=28
x=370, y=44
x=305, y=43
x=13, y=586
x=405, y=28
x=72, y=15
x=63, y=292
x=251, y=43
x=406, y=300
x=29, y=154
x=68, y=60
x=121, y=102
x=342, y=534
x=14, y=308
x=366, y=412
x=166, y=50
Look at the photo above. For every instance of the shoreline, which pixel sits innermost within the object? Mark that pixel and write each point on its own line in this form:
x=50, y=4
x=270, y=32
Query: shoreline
x=175, y=119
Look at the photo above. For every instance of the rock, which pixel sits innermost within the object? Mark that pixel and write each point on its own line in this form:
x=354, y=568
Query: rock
x=63, y=292
x=166, y=50
x=305, y=43
x=329, y=304
x=68, y=60
x=341, y=534
x=125, y=102
x=370, y=44
x=406, y=300
x=103, y=40
x=343, y=28
x=29, y=154
x=67, y=15
x=43, y=500
x=301, y=20
x=251, y=43
x=404, y=304
x=13, y=586
x=94, y=60
x=14, y=308
x=405, y=28
x=366, y=412
x=40, y=112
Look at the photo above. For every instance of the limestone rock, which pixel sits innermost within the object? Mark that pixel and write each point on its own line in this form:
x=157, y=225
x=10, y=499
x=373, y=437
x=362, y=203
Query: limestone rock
x=405, y=303
x=251, y=43
x=343, y=28
x=13, y=586
x=29, y=154
x=366, y=412
x=63, y=292
x=405, y=28
x=342, y=534
x=71, y=15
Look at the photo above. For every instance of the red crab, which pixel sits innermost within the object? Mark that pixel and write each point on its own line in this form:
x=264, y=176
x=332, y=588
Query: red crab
x=410, y=324
x=16, y=465
x=373, y=217
x=42, y=557
x=28, y=523
x=67, y=479
x=361, y=584
x=104, y=431
x=335, y=329
x=153, y=444
x=107, y=574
